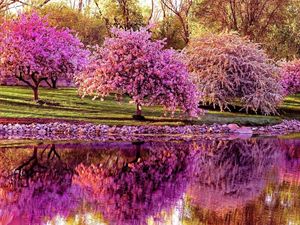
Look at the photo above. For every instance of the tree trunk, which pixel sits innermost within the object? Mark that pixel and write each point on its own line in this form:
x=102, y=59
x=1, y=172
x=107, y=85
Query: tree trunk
x=80, y=5
x=53, y=152
x=54, y=83
x=138, y=109
x=36, y=93
x=138, y=148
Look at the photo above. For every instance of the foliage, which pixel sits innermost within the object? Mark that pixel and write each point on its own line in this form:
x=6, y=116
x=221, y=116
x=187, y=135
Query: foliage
x=249, y=18
x=181, y=10
x=90, y=28
x=273, y=23
x=228, y=68
x=31, y=51
x=126, y=14
x=170, y=30
x=131, y=64
x=6, y=4
x=283, y=40
x=290, y=76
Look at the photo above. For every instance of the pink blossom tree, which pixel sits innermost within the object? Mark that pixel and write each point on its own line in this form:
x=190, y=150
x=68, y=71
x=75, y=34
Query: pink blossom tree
x=290, y=75
x=229, y=69
x=31, y=51
x=131, y=64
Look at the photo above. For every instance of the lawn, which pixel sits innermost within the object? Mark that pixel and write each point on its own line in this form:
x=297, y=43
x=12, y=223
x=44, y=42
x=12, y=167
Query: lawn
x=16, y=102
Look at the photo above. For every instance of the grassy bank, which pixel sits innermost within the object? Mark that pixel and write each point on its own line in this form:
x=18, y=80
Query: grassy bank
x=16, y=102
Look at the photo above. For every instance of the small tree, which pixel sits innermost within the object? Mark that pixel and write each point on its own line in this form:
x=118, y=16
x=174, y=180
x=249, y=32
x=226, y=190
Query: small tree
x=130, y=63
x=31, y=51
x=228, y=68
x=290, y=75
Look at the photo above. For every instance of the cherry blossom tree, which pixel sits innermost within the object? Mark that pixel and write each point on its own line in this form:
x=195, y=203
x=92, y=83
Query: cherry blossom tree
x=31, y=51
x=291, y=77
x=229, y=69
x=131, y=64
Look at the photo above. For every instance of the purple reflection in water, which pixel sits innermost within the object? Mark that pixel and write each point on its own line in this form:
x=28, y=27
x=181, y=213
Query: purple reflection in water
x=154, y=179
x=231, y=173
x=129, y=183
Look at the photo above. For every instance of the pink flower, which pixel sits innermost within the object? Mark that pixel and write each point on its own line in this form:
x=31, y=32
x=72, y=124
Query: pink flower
x=130, y=63
x=32, y=51
x=290, y=77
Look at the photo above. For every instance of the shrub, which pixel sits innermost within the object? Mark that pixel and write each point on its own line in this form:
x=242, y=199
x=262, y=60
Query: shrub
x=290, y=77
x=227, y=69
x=131, y=64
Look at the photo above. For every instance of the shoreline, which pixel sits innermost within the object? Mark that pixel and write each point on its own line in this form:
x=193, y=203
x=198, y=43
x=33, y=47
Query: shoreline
x=67, y=130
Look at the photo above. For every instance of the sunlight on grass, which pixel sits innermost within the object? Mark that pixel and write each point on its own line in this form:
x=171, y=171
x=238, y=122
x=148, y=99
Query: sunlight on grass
x=15, y=102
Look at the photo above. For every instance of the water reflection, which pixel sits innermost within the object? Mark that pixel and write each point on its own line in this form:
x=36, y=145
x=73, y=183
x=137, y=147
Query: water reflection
x=38, y=187
x=153, y=178
x=254, y=181
x=231, y=173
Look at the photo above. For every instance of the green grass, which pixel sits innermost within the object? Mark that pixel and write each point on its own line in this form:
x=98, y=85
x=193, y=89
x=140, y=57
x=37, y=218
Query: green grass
x=16, y=102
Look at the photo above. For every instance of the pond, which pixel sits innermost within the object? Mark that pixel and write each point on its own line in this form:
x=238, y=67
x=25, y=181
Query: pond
x=201, y=181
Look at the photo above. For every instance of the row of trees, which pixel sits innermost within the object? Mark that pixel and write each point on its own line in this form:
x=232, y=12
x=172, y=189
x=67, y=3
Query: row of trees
x=274, y=23
x=222, y=70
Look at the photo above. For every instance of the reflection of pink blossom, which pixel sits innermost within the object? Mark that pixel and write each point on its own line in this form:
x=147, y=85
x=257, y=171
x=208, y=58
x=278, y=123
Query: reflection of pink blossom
x=127, y=183
x=134, y=191
x=232, y=173
x=38, y=193
x=290, y=160
x=39, y=201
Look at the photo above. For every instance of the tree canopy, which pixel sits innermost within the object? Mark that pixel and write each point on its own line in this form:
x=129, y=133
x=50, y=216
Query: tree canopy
x=129, y=63
x=31, y=51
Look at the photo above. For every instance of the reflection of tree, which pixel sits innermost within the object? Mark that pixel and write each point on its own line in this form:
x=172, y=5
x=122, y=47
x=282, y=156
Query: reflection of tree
x=145, y=177
x=152, y=180
x=36, y=164
x=232, y=173
x=290, y=161
x=39, y=188
x=127, y=183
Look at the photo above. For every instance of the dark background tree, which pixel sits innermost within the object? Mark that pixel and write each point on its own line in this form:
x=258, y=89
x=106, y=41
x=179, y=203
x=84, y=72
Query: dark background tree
x=252, y=18
x=272, y=23
x=181, y=10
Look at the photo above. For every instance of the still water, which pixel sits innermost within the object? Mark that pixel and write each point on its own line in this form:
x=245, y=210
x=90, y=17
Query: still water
x=215, y=182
